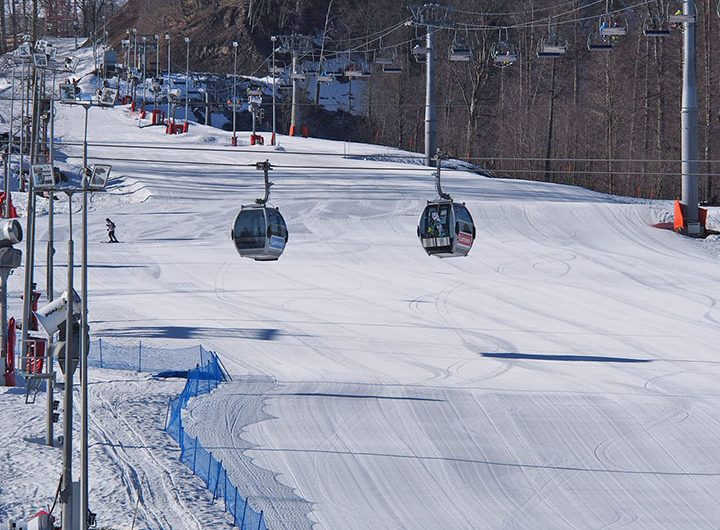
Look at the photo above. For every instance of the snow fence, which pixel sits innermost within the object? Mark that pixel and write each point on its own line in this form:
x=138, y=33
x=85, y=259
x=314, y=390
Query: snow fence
x=142, y=358
x=202, y=379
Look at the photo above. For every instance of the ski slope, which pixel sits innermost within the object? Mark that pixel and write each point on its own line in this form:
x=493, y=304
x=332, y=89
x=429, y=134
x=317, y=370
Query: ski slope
x=563, y=375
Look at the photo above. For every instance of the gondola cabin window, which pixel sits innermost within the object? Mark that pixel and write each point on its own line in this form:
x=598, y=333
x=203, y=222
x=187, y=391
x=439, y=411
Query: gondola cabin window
x=249, y=229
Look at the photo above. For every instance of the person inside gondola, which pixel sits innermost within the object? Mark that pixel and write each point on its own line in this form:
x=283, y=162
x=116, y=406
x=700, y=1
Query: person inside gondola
x=437, y=225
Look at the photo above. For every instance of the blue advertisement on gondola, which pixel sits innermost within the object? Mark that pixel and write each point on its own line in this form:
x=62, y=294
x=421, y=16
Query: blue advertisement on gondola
x=277, y=242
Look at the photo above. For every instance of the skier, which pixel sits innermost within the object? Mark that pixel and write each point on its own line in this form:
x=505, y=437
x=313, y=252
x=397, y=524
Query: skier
x=111, y=231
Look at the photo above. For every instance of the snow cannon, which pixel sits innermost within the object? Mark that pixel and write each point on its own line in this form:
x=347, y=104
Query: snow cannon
x=11, y=233
x=53, y=314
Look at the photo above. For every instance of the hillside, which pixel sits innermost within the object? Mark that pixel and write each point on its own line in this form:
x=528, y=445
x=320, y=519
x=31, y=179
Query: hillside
x=605, y=120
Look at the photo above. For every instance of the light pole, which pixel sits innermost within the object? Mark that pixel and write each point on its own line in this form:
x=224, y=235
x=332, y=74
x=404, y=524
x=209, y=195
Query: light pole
x=157, y=70
x=187, y=79
x=234, y=96
x=89, y=183
x=144, y=59
x=169, y=83
x=689, y=126
x=273, y=39
x=135, y=54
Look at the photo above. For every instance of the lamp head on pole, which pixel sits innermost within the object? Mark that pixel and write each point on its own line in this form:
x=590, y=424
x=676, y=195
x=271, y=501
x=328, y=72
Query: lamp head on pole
x=234, y=44
x=167, y=37
x=187, y=40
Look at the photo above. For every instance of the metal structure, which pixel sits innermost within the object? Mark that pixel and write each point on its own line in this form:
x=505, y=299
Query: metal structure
x=187, y=78
x=597, y=43
x=689, y=125
x=298, y=46
x=552, y=46
x=504, y=52
x=170, y=119
x=234, y=92
x=273, y=139
x=431, y=17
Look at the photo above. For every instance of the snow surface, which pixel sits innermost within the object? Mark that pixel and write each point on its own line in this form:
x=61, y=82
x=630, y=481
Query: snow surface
x=563, y=375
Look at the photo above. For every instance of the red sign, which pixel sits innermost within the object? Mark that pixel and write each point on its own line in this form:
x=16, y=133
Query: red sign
x=466, y=240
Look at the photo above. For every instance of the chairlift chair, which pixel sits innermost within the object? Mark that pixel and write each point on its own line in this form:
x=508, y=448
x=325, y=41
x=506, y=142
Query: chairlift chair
x=353, y=71
x=503, y=52
x=446, y=228
x=298, y=76
x=551, y=46
x=384, y=56
x=325, y=77
x=459, y=54
x=676, y=14
x=275, y=71
x=612, y=25
x=598, y=43
x=459, y=51
x=259, y=231
x=656, y=27
x=391, y=69
x=420, y=53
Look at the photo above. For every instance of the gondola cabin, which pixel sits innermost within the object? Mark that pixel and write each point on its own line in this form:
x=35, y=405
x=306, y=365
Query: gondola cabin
x=446, y=229
x=259, y=232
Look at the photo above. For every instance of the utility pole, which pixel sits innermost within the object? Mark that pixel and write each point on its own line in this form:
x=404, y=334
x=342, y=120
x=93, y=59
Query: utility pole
x=169, y=120
x=298, y=46
x=273, y=39
x=187, y=79
x=689, y=125
x=234, y=93
x=432, y=17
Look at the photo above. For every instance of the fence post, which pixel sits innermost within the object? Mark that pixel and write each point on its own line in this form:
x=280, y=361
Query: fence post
x=235, y=511
x=217, y=481
x=195, y=454
x=225, y=486
x=100, y=346
x=209, y=468
x=139, y=356
x=261, y=520
x=167, y=414
x=242, y=524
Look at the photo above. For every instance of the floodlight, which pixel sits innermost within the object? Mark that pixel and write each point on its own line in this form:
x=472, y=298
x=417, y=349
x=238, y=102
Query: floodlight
x=71, y=63
x=187, y=40
x=97, y=181
x=23, y=51
x=108, y=97
x=40, y=60
x=67, y=92
x=167, y=37
x=235, y=44
x=43, y=177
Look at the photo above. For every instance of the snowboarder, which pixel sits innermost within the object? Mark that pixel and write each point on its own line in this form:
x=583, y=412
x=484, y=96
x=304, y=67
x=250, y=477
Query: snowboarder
x=111, y=231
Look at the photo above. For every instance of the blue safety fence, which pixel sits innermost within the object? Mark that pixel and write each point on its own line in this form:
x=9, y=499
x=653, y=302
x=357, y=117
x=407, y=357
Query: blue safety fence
x=142, y=358
x=202, y=379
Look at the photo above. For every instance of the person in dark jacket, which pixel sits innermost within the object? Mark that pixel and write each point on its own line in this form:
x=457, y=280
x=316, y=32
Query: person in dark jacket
x=111, y=231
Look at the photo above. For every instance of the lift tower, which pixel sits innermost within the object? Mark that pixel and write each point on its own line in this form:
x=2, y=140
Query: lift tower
x=298, y=46
x=431, y=17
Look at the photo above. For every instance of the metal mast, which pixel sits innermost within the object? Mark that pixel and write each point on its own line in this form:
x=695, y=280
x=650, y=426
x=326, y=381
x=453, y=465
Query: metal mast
x=689, y=124
x=432, y=17
x=298, y=46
